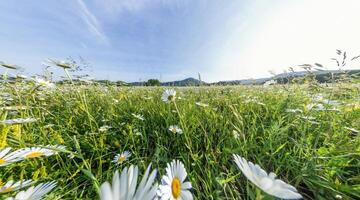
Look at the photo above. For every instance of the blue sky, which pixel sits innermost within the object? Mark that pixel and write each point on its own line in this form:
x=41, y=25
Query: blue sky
x=135, y=40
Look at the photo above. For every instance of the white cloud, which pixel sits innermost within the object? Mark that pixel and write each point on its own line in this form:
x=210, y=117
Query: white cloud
x=92, y=22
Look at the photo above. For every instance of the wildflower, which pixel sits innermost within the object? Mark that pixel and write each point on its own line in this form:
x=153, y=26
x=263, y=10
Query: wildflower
x=236, y=134
x=297, y=110
x=137, y=132
x=173, y=185
x=123, y=186
x=338, y=196
x=254, y=101
x=168, y=95
x=7, y=158
x=14, y=108
x=34, y=193
x=352, y=130
x=34, y=152
x=266, y=182
x=49, y=125
x=21, y=76
x=9, y=66
x=104, y=128
x=141, y=117
x=44, y=83
x=11, y=186
x=61, y=63
x=315, y=107
x=18, y=121
x=202, y=104
x=270, y=82
x=120, y=158
x=175, y=129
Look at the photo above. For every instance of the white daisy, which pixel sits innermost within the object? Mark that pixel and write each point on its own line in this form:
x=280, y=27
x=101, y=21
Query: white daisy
x=175, y=129
x=44, y=83
x=11, y=186
x=173, y=185
x=266, y=182
x=18, y=121
x=352, y=130
x=7, y=158
x=138, y=116
x=12, y=108
x=270, y=82
x=61, y=63
x=201, y=104
x=34, y=152
x=124, y=186
x=236, y=134
x=168, y=95
x=120, y=158
x=34, y=193
x=297, y=110
x=9, y=66
x=104, y=128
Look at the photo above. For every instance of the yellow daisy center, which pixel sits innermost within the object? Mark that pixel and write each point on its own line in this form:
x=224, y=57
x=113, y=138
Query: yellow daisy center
x=122, y=158
x=2, y=161
x=170, y=97
x=175, y=187
x=173, y=130
x=8, y=189
x=34, y=154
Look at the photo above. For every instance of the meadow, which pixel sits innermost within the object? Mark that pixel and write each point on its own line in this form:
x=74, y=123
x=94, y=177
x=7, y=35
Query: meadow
x=306, y=135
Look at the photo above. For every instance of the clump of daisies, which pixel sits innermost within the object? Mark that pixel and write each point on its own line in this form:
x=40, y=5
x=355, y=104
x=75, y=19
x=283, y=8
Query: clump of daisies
x=124, y=185
x=266, y=182
x=174, y=185
x=168, y=95
x=120, y=158
x=175, y=129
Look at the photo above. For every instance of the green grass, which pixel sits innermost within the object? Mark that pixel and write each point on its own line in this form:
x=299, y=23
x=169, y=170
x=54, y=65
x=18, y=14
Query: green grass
x=320, y=160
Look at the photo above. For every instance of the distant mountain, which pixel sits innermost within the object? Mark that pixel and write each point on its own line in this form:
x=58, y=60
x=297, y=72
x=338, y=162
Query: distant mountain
x=185, y=82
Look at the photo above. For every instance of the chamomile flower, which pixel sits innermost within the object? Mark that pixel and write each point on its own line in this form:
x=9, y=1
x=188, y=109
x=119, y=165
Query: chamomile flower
x=9, y=66
x=34, y=193
x=201, y=104
x=352, y=130
x=11, y=186
x=7, y=158
x=44, y=83
x=120, y=158
x=173, y=185
x=138, y=116
x=175, y=129
x=34, y=152
x=104, y=128
x=61, y=63
x=123, y=186
x=265, y=181
x=18, y=121
x=168, y=95
x=297, y=110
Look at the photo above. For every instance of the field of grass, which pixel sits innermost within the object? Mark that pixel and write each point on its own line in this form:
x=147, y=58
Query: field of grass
x=315, y=150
